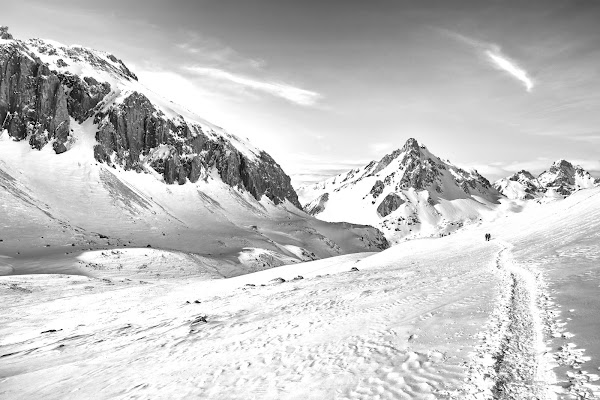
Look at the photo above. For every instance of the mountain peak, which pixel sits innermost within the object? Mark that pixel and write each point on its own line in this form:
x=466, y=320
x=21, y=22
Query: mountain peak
x=521, y=175
x=408, y=193
x=4, y=33
x=561, y=164
x=411, y=144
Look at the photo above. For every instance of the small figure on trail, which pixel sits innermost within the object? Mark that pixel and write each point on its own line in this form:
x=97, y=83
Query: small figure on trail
x=488, y=236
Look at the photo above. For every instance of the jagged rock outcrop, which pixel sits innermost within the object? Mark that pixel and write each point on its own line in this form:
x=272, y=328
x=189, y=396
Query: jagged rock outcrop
x=40, y=93
x=83, y=95
x=4, y=33
x=389, y=204
x=377, y=188
x=33, y=103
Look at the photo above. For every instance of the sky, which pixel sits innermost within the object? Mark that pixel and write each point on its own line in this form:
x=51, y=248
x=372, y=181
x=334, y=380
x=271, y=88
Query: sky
x=325, y=86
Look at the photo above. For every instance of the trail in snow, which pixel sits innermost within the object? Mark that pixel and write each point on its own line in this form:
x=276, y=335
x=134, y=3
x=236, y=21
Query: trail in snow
x=510, y=362
x=520, y=367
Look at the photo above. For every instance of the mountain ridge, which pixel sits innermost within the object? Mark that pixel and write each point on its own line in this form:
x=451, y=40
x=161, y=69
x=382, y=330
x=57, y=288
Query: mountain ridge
x=44, y=83
x=560, y=180
x=91, y=159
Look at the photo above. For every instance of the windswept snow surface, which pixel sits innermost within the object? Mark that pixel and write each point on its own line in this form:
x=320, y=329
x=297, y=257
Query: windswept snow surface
x=453, y=317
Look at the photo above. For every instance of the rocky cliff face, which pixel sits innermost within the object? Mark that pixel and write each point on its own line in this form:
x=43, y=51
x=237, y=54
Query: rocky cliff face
x=33, y=102
x=44, y=86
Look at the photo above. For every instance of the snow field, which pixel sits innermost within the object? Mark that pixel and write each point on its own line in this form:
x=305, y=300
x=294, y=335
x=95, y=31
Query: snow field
x=453, y=317
x=335, y=333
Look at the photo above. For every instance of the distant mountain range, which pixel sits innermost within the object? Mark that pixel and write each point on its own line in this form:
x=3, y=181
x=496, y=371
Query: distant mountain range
x=562, y=179
x=413, y=193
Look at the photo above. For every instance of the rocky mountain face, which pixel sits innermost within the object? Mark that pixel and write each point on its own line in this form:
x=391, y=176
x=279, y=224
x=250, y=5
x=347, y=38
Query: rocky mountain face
x=46, y=87
x=562, y=179
x=409, y=192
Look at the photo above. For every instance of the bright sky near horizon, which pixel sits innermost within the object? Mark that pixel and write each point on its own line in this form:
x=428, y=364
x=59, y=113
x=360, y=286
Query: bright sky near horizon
x=324, y=86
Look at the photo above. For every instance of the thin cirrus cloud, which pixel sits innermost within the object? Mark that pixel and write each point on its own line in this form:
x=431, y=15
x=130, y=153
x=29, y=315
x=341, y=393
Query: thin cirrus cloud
x=291, y=93
x=494, y=56
x=504, y=63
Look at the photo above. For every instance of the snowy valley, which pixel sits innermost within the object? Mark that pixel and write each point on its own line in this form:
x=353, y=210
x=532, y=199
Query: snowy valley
x=146, y=253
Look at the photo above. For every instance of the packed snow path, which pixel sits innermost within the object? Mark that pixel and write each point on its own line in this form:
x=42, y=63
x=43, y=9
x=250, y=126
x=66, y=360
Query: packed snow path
x=510, y=362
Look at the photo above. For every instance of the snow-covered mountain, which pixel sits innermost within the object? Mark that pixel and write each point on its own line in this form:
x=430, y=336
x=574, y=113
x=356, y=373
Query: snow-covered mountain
x=89, y=158
x=46, y=84
x=408, y=193
x=562, y=179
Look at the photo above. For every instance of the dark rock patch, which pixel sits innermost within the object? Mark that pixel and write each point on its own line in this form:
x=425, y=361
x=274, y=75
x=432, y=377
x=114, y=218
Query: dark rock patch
x=389, y=204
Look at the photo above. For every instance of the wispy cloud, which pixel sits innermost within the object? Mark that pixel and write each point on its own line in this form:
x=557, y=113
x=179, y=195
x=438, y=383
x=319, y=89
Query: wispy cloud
x=291, y=93
x=494, y=56
x=504, y=63
x=210, y=51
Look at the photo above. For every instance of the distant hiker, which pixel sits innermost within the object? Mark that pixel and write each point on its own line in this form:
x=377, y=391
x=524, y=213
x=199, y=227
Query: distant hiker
x=488, y=236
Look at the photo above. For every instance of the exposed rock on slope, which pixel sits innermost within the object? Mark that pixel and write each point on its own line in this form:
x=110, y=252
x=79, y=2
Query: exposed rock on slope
x=317, y=205
x=562, y=179
x=409, y=192
x=44, y=84
x=390, y=203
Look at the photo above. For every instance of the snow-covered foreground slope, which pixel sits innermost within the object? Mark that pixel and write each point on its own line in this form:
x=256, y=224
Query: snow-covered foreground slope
x=409, y=193
x=54, y=206
x=452, y=317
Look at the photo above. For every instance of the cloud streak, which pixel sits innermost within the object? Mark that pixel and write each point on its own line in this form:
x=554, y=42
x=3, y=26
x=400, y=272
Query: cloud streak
x=494, y=56
x=504, y=63
x=291, y=93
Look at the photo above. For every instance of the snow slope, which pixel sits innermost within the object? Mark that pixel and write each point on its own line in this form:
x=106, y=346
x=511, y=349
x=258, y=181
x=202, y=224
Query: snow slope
x=53, y=204
x=408, y=193
x=453, y=317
